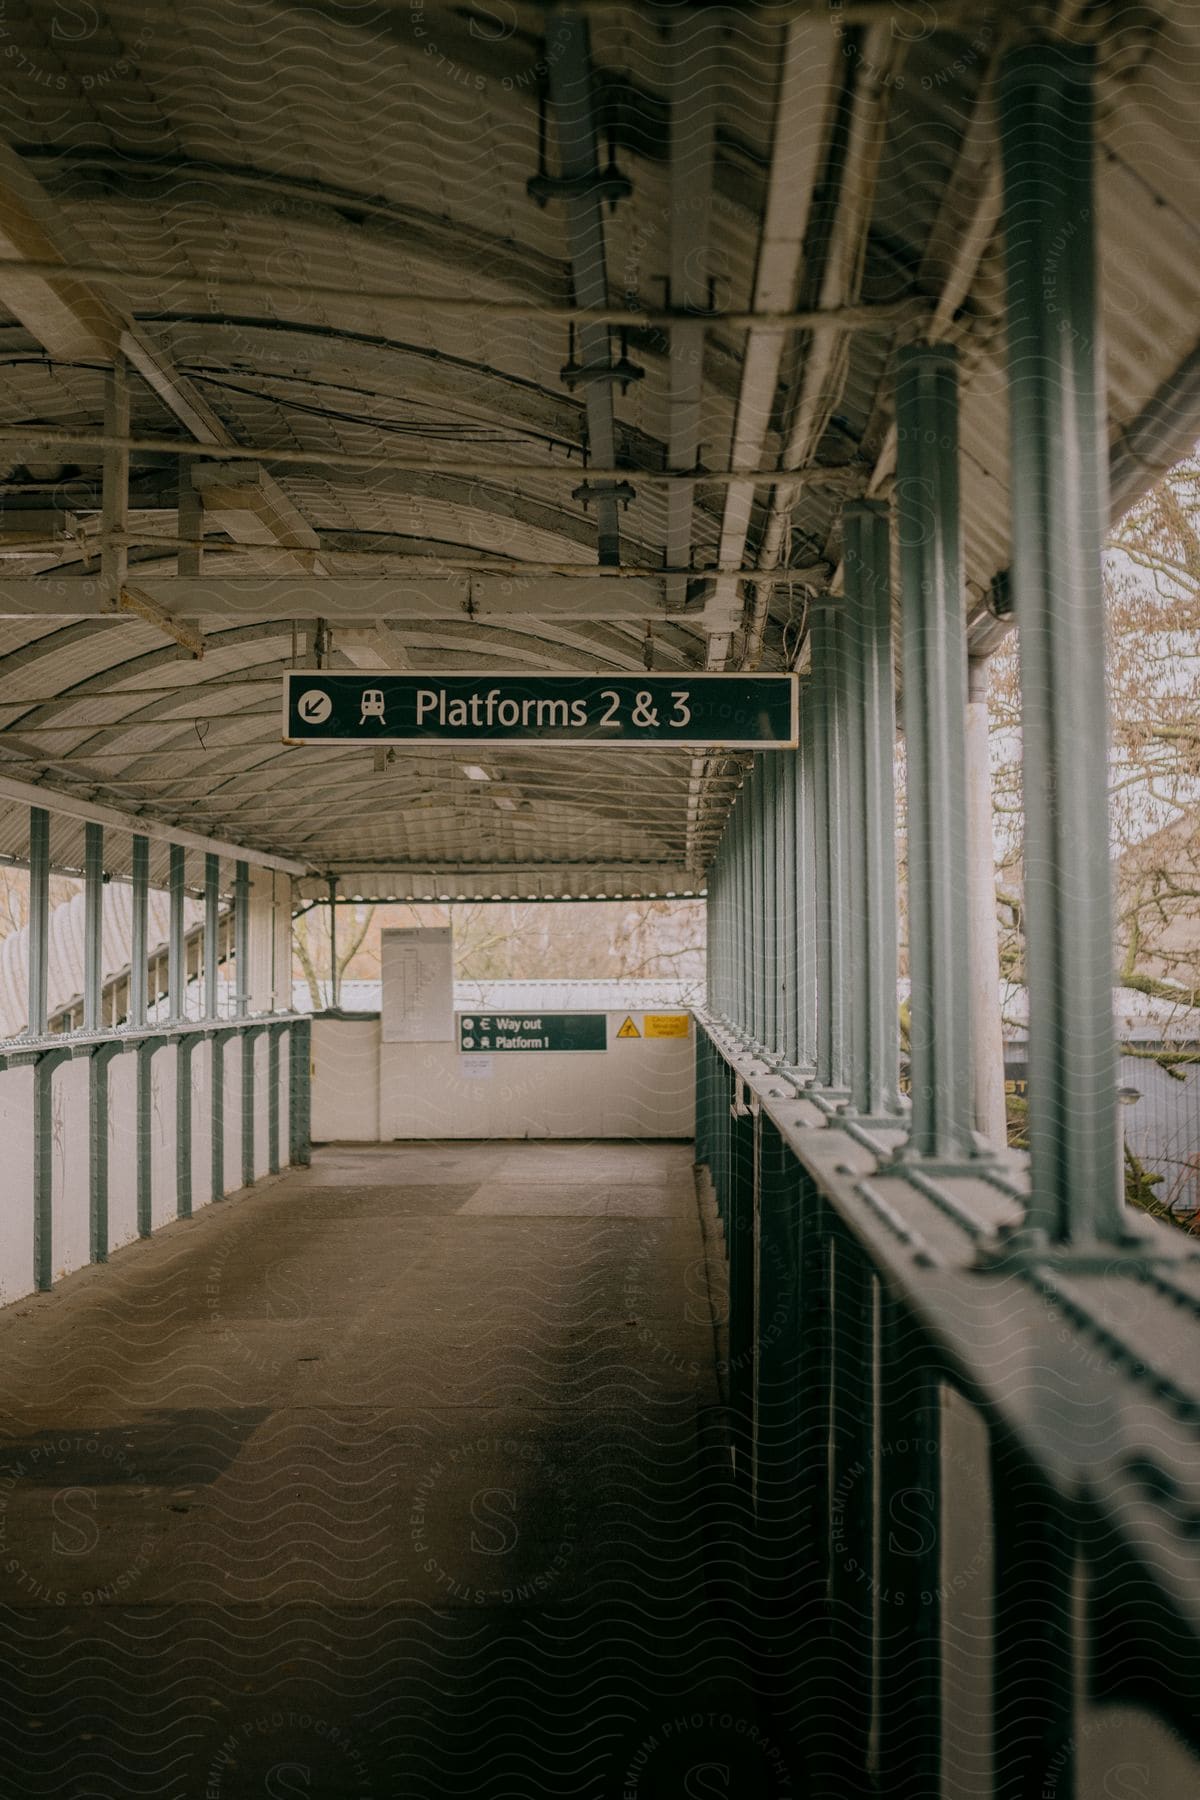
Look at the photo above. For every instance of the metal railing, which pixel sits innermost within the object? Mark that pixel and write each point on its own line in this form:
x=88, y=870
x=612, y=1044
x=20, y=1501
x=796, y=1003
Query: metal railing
x=971, y=1481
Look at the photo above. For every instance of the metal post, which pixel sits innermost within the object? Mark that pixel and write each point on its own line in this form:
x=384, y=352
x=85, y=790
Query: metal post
x=1059, y=507
x=737, y=821
x=39, y=921
x=138, y=948
x=241, y=938
x=93, y=924
x=757, y=924
x=176, y=972
x=190, y=516
x=769, y=774
x=789, y=923
x=212, y=910
x=114, y=493
x=909, y=1545
x=935, y=693
x=832, y=870
x=746, y=902
x=870, y=689
x=806, y=886
x=987, y=1036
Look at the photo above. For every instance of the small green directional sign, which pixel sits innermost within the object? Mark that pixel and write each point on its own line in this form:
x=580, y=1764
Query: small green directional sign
x=489, y=1032
x=734, y=711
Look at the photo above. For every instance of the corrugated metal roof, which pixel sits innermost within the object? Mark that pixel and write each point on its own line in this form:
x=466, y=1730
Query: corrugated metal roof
x=371, y=149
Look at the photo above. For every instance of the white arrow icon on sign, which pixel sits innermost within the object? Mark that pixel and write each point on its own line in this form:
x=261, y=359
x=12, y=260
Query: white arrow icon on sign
x=315, y=707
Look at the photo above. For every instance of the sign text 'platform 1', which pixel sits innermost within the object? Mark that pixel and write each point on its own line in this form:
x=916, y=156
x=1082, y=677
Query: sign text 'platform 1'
x=741, y=712
x=532, y=1031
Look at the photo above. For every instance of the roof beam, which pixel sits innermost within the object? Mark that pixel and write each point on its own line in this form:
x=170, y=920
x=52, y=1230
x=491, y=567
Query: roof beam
x=75, y=321
x=27, y=793
x=67, y=316
x=353, y=600
x=570, y=81
x=694, y=86
x=808, y=71
x=826, y=363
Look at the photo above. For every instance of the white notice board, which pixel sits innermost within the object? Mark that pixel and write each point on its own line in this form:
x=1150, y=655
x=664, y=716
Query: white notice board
x=417, y=970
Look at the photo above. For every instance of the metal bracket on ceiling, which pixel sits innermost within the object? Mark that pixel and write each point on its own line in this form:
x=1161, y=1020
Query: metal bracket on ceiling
x=600, y=373
x=618, y=374
x=608, y=183
x=604, y=490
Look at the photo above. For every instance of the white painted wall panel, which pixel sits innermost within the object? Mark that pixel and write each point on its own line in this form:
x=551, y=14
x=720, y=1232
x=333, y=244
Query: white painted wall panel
x=16, y=1191
x=201, y=1125
x=262, y=1101
x=345, y=1090
x=70, y=1183
x=233, y=1114
x=122, y=1149
x=642, y=1087
x=164, y=1201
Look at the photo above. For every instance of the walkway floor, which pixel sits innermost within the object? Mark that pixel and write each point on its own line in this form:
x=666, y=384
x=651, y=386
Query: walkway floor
x=392, y=1478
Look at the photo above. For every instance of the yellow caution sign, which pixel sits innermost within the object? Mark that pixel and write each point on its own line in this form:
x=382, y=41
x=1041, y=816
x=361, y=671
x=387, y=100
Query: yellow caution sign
x=629, y=1029
x=668, y=1025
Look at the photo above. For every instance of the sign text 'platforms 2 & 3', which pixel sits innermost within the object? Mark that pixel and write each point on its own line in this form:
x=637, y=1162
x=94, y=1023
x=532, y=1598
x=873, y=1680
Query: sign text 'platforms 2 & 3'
x=758, y=712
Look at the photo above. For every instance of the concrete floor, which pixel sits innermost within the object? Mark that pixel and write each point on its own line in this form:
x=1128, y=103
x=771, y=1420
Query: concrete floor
x=396, y=1477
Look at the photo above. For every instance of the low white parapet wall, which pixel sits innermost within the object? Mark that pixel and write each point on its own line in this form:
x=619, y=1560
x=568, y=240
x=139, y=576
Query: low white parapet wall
x=368, y=1091
x=108, y=1138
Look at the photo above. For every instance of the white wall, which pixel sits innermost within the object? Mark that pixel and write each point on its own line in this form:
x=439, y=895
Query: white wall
x=201, y=1125
x=70, y=1148
x=70, y=1181
x=232, y=1069
x=122, y=1150
x=366, y=1091
x=16, y=1191
x=164, y=1205
x=262, y=1098
x=345, y=1082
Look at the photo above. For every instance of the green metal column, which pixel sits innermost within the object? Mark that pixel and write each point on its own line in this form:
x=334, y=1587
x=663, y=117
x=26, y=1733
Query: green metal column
x=176, y=971
x=274, y=1036
x=93, y=924
x=789, y=924
x=935, y=699
x=241, y=938
x=144, y=1139
x=1059, y=516
x=138, y=932
x=740, y=897
x=249, y=1040
x=745, y=965
x=756, y=931
x=721, y=867
x=830, y=838
x=870, y=685
x=212, y=909
x=769, y=776
x=806, y=886
x=185, y=1044
x=217, y=1090
x=300, y=1090
x=908, y=1737
x=39, y=921
x=98, y=1125
x=723, y=941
